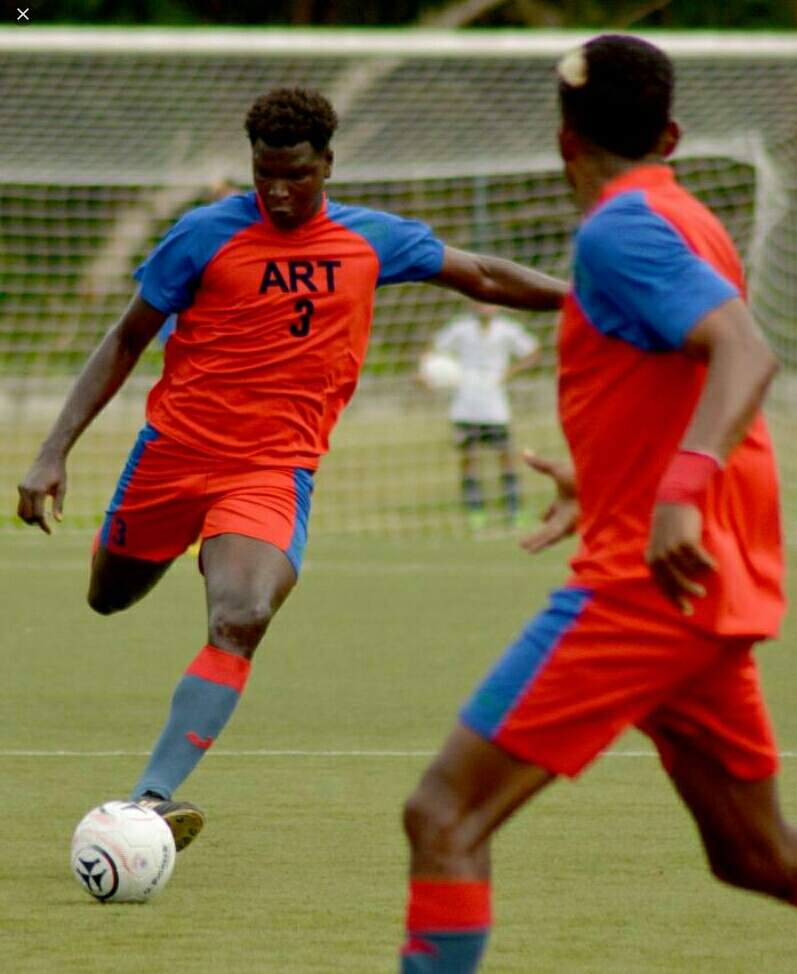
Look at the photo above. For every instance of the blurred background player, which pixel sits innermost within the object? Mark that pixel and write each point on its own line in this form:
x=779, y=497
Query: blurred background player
x=274, y=292
x=491, y=348
x=674, y=491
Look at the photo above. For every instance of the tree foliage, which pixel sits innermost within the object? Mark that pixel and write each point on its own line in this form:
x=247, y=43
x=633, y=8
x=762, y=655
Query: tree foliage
x=601, y=14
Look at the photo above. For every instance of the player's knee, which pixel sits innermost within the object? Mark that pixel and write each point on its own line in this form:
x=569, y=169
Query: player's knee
x=432, y=824
x=239, y=628
x=103, y=602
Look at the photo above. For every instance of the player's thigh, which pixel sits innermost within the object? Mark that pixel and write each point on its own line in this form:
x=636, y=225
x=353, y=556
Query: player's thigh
x=118, y=581
x=741, y=824
x=158, y=505
x=467, y=792
x=245, y=578
x=716, y=741
x=268, y=505
x=254, y=537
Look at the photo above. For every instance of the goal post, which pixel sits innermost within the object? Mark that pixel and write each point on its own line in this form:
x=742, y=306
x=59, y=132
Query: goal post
x=110, y=134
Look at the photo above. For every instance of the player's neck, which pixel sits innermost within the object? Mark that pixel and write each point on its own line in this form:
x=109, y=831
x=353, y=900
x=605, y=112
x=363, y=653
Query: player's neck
x=602, y=168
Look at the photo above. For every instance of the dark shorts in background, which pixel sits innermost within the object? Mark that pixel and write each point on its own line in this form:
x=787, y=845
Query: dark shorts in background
x=495, y=435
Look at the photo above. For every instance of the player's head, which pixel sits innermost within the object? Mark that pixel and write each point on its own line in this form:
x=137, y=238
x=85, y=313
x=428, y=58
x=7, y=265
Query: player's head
x=288, y=116
x=616, y=91
x=290, y=130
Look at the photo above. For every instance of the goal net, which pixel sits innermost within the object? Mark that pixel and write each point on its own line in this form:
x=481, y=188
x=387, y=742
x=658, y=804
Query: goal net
x=110, y=135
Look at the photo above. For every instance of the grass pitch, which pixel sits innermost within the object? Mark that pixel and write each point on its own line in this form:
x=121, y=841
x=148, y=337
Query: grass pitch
x=301, y=869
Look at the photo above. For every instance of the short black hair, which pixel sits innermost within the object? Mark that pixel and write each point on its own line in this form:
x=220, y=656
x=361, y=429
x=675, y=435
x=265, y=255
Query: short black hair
x=619, y=95
x=288, y=116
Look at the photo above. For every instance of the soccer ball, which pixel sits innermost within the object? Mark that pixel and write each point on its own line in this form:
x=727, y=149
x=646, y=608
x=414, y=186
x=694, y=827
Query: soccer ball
x=122, y=853
x=440, y=372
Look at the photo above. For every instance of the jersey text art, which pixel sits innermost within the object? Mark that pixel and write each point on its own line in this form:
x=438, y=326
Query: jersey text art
x=292, y=276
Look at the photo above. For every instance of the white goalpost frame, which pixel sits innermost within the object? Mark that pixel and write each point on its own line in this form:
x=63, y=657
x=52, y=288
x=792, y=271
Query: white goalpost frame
x=368, y=59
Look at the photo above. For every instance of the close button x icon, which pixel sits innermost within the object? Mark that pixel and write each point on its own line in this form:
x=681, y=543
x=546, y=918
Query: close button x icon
x=23, y=14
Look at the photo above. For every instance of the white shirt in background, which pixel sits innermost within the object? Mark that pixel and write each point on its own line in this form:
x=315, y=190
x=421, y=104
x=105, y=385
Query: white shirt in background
x=484, y=354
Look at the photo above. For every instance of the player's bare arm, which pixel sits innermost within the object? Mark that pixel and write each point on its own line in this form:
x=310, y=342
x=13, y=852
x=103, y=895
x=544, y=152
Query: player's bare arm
x=740, y=368
x=102, y=376
x=522, y=364
x=493, y=280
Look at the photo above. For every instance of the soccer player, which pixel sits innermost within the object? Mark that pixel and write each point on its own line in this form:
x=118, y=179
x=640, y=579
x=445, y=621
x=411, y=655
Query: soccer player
x=273, y=292
x=492, y=349
x=678, y=572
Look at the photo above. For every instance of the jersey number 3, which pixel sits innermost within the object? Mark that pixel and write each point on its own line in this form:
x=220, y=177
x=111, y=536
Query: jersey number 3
x=305, y=309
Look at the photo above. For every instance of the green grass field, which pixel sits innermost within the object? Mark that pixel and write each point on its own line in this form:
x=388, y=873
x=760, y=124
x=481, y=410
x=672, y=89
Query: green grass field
x=301, y=869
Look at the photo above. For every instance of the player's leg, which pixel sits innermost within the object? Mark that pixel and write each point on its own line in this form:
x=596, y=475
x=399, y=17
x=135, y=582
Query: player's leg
x=468, y=791
x=545, y=709
x=119, y=581
x=466, y=441
x=717, y=744
x=510, y=481
x=747, y=840
x=155, y=513
x=247, y=578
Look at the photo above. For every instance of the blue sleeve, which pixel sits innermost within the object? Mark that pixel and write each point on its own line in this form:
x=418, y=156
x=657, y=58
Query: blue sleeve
x=407, y=249
x=172, y=272
x=636, y=278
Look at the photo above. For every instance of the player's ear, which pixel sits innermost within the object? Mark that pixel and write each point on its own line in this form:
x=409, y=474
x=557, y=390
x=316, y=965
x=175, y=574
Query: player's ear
x=568, y=143
x=330, y=158
x=669, y=139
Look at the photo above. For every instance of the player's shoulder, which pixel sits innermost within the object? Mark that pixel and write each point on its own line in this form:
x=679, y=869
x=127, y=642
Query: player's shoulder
x=373, y=223
x=613, y=213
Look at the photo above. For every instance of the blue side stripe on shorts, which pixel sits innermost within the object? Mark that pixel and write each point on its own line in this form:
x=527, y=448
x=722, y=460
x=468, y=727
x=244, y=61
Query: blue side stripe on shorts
x=494, y=699
x=147, y=435
x=303, y=482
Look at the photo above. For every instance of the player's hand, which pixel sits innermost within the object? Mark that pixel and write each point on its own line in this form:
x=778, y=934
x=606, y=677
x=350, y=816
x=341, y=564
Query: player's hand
x=676, y=555
x=561, y=518
x=46, y=478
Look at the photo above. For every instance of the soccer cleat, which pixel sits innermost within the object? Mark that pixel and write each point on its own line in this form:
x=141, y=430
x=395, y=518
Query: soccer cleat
x=184, y=819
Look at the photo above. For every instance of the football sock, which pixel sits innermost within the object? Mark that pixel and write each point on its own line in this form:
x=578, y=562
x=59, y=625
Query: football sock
x=448, y=923
x=203, y=702
x=472, y=493
x=509, y=482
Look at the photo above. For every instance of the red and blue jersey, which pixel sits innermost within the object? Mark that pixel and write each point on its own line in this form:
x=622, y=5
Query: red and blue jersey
x=272, y=327
x=650, y=262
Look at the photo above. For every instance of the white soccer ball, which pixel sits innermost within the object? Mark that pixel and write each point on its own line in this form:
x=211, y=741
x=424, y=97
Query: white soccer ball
x=439, y=371
x=122, y=853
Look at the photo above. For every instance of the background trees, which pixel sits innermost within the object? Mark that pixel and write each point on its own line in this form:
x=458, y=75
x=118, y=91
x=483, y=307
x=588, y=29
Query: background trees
x=706, y=14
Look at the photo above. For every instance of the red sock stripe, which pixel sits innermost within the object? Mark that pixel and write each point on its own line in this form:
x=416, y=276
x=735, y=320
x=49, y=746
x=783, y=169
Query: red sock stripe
x=442, y=906
x=218, y=666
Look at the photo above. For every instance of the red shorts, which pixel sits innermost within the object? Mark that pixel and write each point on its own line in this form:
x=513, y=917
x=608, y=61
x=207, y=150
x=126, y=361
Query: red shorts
x=167, y=498
x=585, y=669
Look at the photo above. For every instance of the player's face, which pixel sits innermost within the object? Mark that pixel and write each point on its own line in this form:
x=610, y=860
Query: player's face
x=290, y=181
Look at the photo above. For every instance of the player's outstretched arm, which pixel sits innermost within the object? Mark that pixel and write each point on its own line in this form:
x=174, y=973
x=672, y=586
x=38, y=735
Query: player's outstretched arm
x=494, y=280
x=102, y=376
x=523, y=364
x=740, y=369
x=561, y=518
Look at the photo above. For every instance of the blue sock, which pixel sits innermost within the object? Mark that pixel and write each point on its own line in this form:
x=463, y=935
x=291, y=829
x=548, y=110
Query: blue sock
x=203, y=702
x=444, y=953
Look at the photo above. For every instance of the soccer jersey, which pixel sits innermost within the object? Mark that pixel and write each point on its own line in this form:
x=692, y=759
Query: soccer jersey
x=649, y=263
x=484, y=355
x=272, y=326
